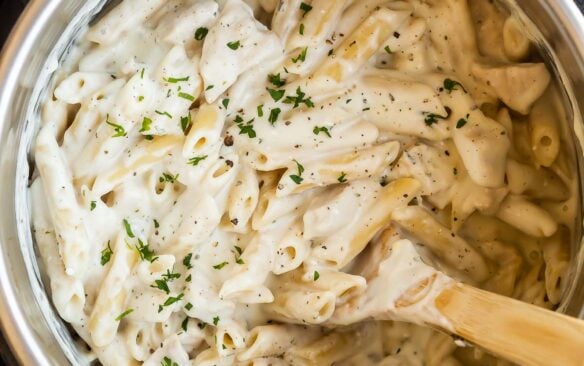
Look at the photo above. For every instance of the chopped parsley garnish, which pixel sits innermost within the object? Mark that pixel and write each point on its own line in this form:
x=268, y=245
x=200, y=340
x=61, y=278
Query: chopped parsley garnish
x=185, y=122
x=156, y=224
x=276, y=94
x=305, y=8
x=388, y=50
x=301, y=30
x=274, y=114
x=432, y=118
x=260, y=110
x=165, y=177
x=124, y=314
x=196, y=160
x=201, y=33
x=161, y=285
x=215, y=320
x=92, y=205
x=146, y=122
x=171, y=300
x=145, y=252
x=237, y=252
x=225, y=102
x=106, y=254
x=142, y=73
x=342, y=178
x=188, y=306
x=298, y=178
x=186, y=96
x=220, y=265
x=119, y=130
x=128, y=228
x=210, y=87
x=246, y=128
x=302, y=56
x=140, y=98
x=276, y=80
x=316, y=275
x=299, y=99
x=187, y=261
x=185, y=324
x=234, y=45
x=173, y=80
x=164, y=114
x=318, y=130
x=166, y=361
x=461, y=122
x=451, y=85
x=188, y=279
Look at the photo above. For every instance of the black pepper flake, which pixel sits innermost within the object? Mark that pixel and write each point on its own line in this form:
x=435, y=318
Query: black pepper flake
x=396, y=34
x=229, y=163
x=228, y=141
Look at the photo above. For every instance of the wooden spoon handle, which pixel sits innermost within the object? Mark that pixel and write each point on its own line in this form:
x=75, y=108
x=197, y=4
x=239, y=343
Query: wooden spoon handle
x=517, y=331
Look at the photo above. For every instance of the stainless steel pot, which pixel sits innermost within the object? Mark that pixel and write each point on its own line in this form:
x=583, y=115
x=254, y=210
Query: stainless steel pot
x=42, y=36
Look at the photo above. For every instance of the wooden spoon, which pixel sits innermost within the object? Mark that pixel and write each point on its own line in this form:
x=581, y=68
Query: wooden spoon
x=406, y=289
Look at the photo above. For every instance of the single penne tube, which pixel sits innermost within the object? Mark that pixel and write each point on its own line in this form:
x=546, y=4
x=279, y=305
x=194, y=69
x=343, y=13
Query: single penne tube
x=544, y=132
x=556, y=255
x=339, y=249
x=527, y=217
x=205, y=131
x=133, y=12
x=80, y=86
x=291, y=250
x=230, y=337
x=64, y=209
x=536, y=183
x=352, y=166
x=68, y=293
x=359, y=46
x=443, y=243
x=113, y=295
x=274, y=340
x=302, y=306
x=242, y=201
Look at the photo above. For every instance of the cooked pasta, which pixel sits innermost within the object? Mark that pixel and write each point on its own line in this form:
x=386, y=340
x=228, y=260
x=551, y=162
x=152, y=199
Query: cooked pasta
x=233, y=182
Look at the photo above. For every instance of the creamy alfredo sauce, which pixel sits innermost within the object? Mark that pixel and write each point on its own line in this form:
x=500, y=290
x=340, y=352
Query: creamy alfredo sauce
x=228, y=182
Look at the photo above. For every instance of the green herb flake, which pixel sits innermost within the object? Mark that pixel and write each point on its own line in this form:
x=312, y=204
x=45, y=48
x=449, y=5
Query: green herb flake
x=215, y=320
x=316, y=275
x=432, y=118
x=185, y=324
x=118, y=129
x=276, y=80
x=146, y=122
x=124, y=314
x=164, y=114
x=450, y=85
x=166, y=361
x=388, y=50
x=220, y=265
x=171, y=300
x=234, y=45
x=140, y=98
x=168, y=178
x=142, y=73
x=128, y=228
x=106, y=254
x=298, y=99
x=225, y=103
x=298, y=178
x=196, y=160
x=161, y=285
x=305, y=8
x=145, y=252
x=302, y=56
x=260, y=110
x=187, y=261
x=461, y=122
x=247, y=129
x=301, y=30
x=342, y=178
x=201, y=33
x=189, y=306
x=185, y=122
x=274, y=114
x=92, y=205
x=156, y=224
x=276, y=94
x=173, y=80
x=186, y=96
x=324, y=130
x=210, y=87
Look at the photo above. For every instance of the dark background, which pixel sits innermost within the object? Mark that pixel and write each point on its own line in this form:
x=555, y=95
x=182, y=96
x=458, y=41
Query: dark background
x=9, y=11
